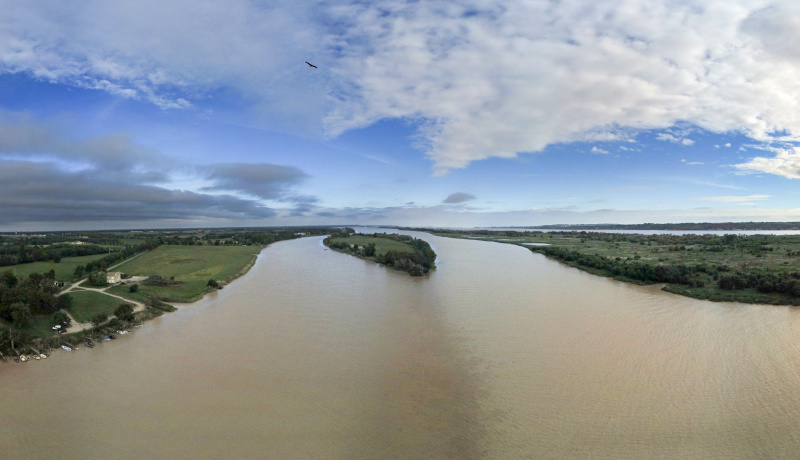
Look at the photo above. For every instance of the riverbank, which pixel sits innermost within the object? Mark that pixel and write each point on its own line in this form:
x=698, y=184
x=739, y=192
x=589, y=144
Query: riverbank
x=148, y=300
x=756, y=269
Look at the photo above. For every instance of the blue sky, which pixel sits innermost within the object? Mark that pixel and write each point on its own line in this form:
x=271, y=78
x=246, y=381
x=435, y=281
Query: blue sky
x=432, y=113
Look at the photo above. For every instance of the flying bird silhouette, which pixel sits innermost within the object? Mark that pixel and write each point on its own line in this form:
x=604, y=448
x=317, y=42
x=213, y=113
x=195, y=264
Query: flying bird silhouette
x=312, y=65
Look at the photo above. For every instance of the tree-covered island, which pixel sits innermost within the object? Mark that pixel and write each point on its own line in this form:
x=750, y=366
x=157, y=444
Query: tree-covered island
x=761, y=269
x=401, y=252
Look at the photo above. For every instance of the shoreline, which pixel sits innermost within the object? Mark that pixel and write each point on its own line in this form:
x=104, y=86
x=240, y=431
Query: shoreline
x=697, y=275
x=86, y=328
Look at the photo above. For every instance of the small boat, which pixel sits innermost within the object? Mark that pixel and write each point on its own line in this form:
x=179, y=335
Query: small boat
x=42, y=355
x=66, y=347
x=105, y=337
x=23, y=358
x=36, y=357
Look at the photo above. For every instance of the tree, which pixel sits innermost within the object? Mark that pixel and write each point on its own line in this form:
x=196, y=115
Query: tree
x=133, y=288
x=63, y=302
x=12, y=336
x=21, y=313
x=63, y=319
x=153, y=301
x=212, y=283
x=99, y=319
x=78, y=271
x=124, y=312
x=98, y=279
x=9, y=278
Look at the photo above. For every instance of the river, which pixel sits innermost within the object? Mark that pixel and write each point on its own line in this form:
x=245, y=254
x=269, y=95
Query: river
x=499, y=353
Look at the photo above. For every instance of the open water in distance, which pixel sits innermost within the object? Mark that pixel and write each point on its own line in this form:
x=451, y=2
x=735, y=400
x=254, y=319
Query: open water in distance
x=500, y=353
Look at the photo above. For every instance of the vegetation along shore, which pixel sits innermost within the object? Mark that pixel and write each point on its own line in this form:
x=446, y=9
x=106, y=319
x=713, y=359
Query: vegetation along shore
x=401, y=252
x=762, y=269
x=78, y=288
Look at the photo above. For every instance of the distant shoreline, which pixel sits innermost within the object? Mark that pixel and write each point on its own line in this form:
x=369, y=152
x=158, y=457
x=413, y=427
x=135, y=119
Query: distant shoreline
x=753, y=269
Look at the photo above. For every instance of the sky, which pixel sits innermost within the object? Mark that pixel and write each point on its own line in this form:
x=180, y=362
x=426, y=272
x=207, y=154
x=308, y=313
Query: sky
x=183, y=114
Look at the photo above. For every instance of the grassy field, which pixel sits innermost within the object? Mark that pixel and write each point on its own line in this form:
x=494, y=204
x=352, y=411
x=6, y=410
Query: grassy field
x=86, y=304
x=63, y=269
x=191, y=267
x=382, y=245
x=697, y=262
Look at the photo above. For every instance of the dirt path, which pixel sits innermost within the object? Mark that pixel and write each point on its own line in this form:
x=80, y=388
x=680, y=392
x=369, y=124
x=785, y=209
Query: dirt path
x=76, y=326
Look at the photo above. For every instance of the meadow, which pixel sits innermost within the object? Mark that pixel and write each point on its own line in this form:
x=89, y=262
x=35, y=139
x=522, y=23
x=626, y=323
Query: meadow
x=382, y=245
x=184, y=270
x=86, y=304
x=64, y=270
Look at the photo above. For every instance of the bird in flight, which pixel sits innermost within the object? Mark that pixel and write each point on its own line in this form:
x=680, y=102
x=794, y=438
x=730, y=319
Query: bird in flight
x=312, y=65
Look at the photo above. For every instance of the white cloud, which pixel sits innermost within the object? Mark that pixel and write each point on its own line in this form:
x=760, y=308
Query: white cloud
x=483, y=79
x=600, y=151
x=671, y=138
x=728, y=144
x=785, y=163
x=732, y=199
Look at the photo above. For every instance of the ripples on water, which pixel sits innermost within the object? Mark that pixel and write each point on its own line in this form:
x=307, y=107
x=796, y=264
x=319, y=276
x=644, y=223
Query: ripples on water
x=500, y=353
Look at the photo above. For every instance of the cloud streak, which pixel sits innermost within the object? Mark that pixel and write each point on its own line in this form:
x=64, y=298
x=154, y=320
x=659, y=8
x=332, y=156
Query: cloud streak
x=732, y=199
x=47, y=176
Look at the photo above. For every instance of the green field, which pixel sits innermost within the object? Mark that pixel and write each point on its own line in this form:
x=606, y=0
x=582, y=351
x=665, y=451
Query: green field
x=63, y=269
x=382, y=245
x=86, y=304
x=192, y=267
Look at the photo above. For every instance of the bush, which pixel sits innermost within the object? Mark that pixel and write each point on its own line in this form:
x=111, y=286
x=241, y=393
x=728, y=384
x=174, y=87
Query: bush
x=133, y=288
x=124, y=312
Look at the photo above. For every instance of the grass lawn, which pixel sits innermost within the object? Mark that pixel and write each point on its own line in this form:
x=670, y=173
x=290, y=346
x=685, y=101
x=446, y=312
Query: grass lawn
x=86, y=304
x=192, y=267
x=63, y=269
x=382, y=245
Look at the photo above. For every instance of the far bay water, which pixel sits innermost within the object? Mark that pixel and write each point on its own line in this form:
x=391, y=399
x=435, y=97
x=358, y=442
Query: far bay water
x=499, y=353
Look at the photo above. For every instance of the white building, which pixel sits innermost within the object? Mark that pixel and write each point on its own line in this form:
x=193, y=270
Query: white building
x=114, y=277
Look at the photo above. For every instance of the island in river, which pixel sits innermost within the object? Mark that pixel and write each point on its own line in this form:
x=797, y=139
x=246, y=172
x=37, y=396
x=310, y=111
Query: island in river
x=401, y=252
x=762, y=269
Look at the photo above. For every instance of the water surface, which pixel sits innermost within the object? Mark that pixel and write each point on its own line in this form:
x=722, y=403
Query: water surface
x=499, y=353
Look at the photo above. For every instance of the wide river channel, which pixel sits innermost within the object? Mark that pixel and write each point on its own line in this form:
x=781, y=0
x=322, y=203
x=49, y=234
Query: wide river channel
x=500, y=353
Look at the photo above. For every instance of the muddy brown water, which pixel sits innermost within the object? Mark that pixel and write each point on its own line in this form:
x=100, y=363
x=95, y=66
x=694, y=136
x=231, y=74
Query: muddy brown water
x=500, y=353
